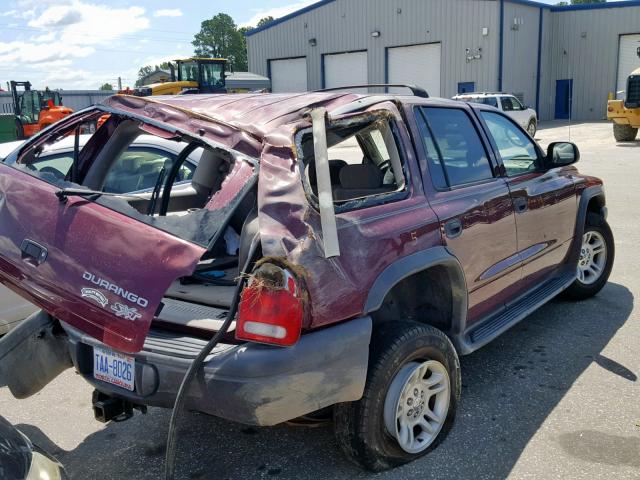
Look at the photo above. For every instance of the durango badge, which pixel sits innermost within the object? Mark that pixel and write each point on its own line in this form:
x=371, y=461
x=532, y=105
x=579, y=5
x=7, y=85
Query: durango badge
x=112, y=287
x=94, y=295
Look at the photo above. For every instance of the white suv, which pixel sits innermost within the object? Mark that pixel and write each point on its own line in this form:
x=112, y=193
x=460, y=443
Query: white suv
x=509, y=104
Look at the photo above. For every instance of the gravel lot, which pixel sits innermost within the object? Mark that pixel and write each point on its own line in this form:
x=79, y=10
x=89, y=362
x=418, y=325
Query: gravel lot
x=555, y=397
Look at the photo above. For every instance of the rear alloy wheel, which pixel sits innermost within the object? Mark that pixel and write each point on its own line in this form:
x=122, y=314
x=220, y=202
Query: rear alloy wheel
x=596, y=259
x=624, y=133
x=416, y=404
x=532, y=128
x=410, y=399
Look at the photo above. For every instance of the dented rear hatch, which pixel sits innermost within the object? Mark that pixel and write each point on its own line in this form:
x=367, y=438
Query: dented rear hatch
x=97, y=263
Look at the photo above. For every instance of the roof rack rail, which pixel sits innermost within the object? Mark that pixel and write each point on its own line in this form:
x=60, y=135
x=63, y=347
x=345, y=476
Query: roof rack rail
x=415, y=90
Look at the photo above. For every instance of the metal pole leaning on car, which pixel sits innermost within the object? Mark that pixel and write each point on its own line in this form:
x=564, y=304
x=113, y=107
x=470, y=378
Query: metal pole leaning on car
x=170, y=456
x=325, y=195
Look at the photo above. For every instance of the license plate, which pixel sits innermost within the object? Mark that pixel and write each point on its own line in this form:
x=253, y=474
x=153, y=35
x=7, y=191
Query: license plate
x=114, y=367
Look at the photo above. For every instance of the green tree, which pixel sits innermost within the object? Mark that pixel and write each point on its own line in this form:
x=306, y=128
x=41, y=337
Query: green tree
x=147, y=69
x=219, y=37
x=263, y=21
x=106, y=86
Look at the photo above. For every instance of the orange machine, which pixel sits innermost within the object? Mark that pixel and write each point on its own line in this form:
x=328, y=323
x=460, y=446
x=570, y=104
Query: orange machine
x=34, y=109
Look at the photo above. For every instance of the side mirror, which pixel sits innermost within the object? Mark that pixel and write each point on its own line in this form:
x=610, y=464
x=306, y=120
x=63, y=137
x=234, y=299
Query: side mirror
x=560, y=154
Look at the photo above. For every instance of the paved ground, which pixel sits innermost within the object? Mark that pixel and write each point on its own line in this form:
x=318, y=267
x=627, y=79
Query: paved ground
x=557, y=397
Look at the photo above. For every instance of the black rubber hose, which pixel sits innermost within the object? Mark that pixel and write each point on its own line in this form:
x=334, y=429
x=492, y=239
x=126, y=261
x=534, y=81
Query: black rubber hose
x=170, y=457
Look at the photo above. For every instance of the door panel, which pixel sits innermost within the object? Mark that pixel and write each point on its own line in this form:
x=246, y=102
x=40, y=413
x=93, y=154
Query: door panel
x=544, y=201
x=415, y=65
x=486, y=247
x=342, y=69
x=627, y=60
x=466, y=87
x=564, y=94
x=546, y=227
x=474, y=208
x=288, y=75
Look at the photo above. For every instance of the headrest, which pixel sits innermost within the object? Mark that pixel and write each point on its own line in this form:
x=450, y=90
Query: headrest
x=207, y=172
x=362, y=176
x=130, y=163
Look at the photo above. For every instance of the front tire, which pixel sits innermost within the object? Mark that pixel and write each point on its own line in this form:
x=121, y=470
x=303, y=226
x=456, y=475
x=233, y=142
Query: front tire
x=597, y=253
x=532, y=128
x=624, y=133
x=410, y=398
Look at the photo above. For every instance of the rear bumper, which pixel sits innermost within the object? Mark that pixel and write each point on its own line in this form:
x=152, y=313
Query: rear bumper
x=249, y=383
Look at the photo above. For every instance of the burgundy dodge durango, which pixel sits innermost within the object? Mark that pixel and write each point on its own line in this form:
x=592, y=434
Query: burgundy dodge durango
x=331, y=249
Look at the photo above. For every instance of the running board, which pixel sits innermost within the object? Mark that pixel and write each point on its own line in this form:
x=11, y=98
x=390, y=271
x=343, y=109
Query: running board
x=490, y=329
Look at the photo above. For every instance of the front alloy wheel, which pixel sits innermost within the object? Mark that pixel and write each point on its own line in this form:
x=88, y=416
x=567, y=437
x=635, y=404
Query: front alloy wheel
x=595, y=261
x=593, y=257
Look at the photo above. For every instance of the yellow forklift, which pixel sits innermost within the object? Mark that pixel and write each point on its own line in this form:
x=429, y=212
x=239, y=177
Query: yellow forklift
x=626, y=113
x=190, y=75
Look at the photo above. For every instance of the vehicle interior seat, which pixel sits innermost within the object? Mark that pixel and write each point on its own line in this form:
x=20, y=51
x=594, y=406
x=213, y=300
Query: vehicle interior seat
x=360, y=180
x=124, y=177
x=334, y=173
x=149, y=171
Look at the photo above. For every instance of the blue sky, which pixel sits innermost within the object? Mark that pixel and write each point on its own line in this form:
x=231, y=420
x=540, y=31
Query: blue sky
x=74, y=44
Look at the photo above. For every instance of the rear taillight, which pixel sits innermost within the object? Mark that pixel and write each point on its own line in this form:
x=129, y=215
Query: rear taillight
x=270, y=309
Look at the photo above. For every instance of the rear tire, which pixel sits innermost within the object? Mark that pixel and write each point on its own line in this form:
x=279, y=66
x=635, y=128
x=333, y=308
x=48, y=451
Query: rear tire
x=416, y=358
x=624, y=133
x=597, y=242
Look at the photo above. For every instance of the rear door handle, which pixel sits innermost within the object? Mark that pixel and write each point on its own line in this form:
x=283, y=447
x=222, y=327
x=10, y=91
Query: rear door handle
x=520, y=204
x=453, y=228
x=33, y=252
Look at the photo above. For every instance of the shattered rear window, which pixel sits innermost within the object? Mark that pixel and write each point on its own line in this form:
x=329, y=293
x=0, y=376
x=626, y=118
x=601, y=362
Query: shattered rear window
x=185, y=186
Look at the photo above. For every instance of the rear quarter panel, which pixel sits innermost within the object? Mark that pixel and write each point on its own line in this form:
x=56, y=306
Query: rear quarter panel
x=370, y=238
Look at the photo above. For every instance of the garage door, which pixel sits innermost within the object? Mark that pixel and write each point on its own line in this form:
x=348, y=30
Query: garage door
x=628, y=59
x=289, y=75
x=343, y=69
x=418, y=65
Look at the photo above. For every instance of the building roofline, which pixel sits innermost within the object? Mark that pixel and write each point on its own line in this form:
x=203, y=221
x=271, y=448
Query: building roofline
x=530, y=3
x=595, y=6
x=277, y=21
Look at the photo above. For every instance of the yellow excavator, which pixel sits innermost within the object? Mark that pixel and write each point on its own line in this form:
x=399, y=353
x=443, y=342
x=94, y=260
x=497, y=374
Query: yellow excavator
x=626, y=113
x=190, y=75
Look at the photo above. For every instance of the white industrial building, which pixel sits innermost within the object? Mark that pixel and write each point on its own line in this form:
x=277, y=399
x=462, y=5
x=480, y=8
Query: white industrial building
x=564, y=61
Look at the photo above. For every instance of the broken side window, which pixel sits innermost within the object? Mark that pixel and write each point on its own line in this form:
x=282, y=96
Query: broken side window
x=365, y=162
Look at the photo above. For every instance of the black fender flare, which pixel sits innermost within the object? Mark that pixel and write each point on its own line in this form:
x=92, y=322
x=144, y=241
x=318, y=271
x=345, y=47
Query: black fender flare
x=586, y=196
x=417, y=262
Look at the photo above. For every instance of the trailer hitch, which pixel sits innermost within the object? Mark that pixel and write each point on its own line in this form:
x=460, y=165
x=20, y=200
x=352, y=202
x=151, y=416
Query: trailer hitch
x=113, y=409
